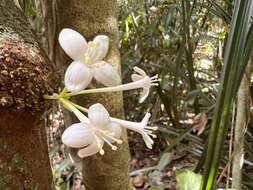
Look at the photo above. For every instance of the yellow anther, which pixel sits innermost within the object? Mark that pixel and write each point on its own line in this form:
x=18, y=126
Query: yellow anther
x=106, y=132
x=102, y=152
x=114, y=148
x=119, y=141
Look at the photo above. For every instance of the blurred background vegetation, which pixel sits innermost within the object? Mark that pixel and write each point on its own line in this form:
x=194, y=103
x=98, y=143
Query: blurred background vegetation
x=184, y=41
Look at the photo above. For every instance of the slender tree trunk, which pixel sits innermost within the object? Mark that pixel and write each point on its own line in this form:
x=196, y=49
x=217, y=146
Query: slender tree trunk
x=90, y=18
x=242, y=119
x=25, y=75
x=48, y=8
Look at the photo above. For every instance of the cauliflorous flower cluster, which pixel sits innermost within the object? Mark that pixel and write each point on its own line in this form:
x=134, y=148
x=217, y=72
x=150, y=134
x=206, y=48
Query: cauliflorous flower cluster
x=98, y=128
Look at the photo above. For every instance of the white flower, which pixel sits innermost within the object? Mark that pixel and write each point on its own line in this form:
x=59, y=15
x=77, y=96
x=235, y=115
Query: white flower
x=99, y=128
x=140, y=127
x=140, y=80
x=90, y=136
x=87, y=61
x=147, y=82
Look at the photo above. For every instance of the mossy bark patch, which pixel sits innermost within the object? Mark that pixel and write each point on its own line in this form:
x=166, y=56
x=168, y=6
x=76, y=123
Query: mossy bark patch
x=25, y=72
x=24, y=76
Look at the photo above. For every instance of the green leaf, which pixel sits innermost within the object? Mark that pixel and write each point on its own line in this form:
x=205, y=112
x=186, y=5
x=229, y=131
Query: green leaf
x=164, y=161
x=63, y=165
x=155, y=188
x=188, y=180
x=234, y=60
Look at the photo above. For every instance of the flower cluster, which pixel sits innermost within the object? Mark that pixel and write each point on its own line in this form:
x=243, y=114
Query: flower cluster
x=97, y=128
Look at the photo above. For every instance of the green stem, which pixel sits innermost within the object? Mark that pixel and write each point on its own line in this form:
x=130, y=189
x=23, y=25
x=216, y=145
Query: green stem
x=80, y=107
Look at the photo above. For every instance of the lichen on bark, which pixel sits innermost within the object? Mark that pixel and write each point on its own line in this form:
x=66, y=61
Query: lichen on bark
x=24, y=76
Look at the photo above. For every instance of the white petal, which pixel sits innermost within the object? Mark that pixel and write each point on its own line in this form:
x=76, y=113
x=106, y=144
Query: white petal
x=140, y=71
x=144, y=95
x=140, y=128
x=145, y=119
x=106, y=74
x=136, y=77
x=115, y=129
x=77, y=76
x=144, y=122
x=73, y=43
x=101, y=47
x=90, y=149
x=98, y=115
x=78, y=135
x=148, y=141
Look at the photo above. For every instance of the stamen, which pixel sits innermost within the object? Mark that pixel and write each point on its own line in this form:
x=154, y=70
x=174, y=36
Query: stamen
x=100, y=146
x=154, y=77
x=110, y=144
x=119, y=141
x=107, y=134
x=102, y=152
x=71, y=159
x=152, y=128
x=148, y=131
x=153, y=135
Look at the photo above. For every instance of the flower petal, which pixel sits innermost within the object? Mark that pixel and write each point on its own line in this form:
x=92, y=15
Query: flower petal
x=144, y=95
x=115, y=129
x=148, y=141
x=78, y=135
x=101, y=47
x=77, y=76
x=140, y=71
x=145, y=119
x=98, y=115
x=73, y=43
x=136, y=77
x=106, y=74
x=91, y=149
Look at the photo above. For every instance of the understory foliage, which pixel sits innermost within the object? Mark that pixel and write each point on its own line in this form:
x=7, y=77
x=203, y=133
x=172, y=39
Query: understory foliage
x=200, y=49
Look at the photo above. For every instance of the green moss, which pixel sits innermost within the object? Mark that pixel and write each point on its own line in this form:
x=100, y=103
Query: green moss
x=13, y=21
x=4, y=181
x=18, y=163
x=3, y=146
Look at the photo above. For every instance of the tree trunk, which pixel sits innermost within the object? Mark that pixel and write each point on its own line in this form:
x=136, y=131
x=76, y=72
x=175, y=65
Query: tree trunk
x=242, y=119
x=90, y=18
x=25, y=76
x=48, y=9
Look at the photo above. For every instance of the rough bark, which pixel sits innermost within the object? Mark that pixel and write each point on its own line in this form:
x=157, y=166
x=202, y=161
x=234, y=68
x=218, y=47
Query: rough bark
x=242, y=119
x=25, y=76
x=90, y=18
